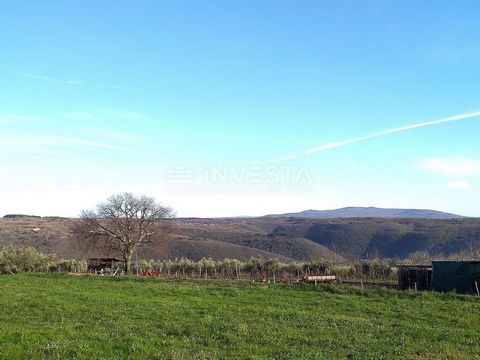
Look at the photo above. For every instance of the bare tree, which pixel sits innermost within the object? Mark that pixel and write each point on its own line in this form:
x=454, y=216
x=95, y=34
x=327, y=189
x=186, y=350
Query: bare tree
x=123, y=223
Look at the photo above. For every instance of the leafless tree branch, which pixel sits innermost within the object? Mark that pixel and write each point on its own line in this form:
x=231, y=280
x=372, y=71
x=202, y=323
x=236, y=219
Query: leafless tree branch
x=123, y=223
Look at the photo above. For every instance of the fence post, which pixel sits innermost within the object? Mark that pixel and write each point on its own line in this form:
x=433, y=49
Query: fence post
x=476, y=287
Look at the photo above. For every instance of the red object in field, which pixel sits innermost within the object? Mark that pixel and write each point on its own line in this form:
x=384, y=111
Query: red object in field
x=151, y=273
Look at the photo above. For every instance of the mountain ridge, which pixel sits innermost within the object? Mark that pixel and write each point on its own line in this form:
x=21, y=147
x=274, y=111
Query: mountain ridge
x=369, y=212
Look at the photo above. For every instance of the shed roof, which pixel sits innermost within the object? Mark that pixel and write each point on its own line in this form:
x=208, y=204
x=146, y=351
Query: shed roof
x=418, y=266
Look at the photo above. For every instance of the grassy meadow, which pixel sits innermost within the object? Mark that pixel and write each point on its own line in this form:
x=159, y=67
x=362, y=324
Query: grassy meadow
x=59, y=316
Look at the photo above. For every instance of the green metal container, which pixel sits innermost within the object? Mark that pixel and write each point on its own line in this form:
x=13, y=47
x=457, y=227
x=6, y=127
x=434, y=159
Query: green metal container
x=458, y=276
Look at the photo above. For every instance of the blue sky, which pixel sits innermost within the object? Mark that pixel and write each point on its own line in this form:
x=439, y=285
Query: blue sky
x=197, y=103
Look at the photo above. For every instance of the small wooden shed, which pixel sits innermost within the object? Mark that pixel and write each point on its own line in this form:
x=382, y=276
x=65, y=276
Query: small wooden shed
x=417, y=277
x=106, y=264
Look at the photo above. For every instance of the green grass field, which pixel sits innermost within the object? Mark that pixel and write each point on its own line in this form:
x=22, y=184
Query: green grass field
x=73, y=317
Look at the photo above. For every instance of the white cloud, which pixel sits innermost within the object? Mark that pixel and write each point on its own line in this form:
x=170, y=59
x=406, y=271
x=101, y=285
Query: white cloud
x=451, y=166
x=73, y=82
x=110, y=134
x=52, y=79
x=68, y=81
x=24, y=140
x=9, y=118
x=459, y=184
x=339, y=144
x=40, y=77
x=67, y=141
x=123, y=114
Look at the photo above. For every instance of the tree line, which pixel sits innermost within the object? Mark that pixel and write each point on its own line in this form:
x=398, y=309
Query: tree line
x=16, y=260
x=270, y=269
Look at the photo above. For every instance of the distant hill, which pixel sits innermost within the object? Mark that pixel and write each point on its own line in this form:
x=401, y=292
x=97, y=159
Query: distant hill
x=21, y=216
x=369, y=212
x=283, y=238
x=192, y=238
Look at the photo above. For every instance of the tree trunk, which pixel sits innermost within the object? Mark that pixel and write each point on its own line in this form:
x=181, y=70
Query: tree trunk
x=128, y=264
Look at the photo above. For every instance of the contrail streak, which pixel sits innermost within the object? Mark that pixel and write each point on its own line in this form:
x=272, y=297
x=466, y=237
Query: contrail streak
x=347, y=142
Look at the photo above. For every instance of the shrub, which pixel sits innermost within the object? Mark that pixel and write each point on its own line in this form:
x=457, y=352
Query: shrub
x=14, y=260
x=374, y=269
x=74, y=266
x=317, y=266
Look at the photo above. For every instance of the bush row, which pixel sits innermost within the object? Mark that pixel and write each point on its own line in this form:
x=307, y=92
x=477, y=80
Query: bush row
x=257, y=267
x=15, y=260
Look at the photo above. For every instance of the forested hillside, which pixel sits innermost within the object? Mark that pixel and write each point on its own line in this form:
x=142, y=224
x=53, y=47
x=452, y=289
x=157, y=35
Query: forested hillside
x=285, y=238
